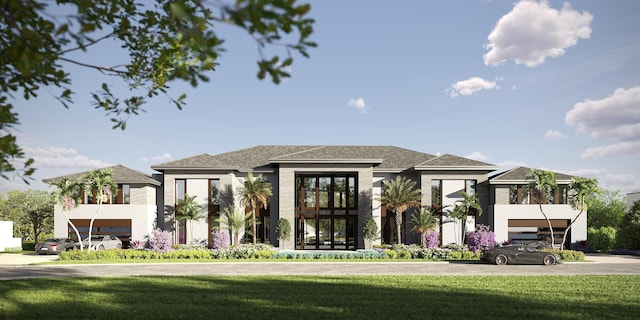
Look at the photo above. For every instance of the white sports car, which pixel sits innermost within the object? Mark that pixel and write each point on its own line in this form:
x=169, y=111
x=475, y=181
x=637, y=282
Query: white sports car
x=101, y=242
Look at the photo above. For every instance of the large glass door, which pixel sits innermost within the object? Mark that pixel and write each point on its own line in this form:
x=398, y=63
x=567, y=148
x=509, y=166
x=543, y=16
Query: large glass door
x=326, y=211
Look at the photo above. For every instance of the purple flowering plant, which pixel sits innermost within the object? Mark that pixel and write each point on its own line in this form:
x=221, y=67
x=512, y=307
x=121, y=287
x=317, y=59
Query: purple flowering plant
x=482, y=237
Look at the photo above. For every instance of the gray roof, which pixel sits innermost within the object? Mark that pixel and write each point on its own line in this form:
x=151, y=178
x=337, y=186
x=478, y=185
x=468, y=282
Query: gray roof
x=120, y=175
x=383, y=157
x=519, y=175
x=451, y=162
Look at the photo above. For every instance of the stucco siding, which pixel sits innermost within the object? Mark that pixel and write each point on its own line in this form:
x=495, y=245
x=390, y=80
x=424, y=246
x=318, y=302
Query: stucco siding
x=143, y=217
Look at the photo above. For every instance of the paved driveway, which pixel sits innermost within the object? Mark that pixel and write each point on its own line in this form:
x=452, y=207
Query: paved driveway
x=13, y=268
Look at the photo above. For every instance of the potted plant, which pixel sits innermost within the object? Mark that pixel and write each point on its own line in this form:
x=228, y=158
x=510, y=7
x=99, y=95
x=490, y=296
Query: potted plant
x=369, y=232
x=283, y=229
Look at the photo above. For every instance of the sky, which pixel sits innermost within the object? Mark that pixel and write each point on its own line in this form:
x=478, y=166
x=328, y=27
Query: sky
x=544, y=84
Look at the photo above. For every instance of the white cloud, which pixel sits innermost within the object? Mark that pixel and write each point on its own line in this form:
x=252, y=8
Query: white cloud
x=477, y=156
x=554, y=135
x=616, y=117
x=622, y=148
x=359, y=104
x=510, y=164
x=533, y=31
x=623, y=182
x=471, y=86
x=165, y=157
x=57, y=157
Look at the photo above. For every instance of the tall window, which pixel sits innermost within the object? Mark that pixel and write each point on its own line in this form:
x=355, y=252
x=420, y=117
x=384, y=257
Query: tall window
x=436, y=194
x=123, y=195
x=326, y=211
x=470, y=186
x=214, y=191
x=181, y=189
x=181, y=225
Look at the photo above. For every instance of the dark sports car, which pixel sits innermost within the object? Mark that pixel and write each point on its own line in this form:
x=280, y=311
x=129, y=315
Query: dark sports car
x=519, y=254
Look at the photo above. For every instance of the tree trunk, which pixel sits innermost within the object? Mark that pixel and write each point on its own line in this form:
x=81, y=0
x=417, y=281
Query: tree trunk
x=564, y=237
x=253, y=225
x=398, y=225
x=74, y=229
x=548, y=222
x=92, y=220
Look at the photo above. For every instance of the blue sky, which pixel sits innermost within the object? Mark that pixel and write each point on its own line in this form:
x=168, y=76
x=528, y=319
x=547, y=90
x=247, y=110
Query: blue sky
x=545, y=84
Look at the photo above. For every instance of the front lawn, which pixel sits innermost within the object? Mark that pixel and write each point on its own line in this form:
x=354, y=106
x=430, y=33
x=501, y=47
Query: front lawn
x=312, y=297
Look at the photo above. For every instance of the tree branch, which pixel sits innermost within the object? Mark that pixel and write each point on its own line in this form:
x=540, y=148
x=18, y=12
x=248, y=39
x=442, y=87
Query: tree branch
x=104, y=70
x=92, y=42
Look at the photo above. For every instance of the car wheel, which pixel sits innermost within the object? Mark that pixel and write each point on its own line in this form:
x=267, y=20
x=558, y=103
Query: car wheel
x=500, y=260
x=549, y=260
x=100, y=248
x=119, y=246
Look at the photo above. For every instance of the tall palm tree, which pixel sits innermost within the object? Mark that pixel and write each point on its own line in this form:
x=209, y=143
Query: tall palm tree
x=542, y=183
x=236, y=220
x=190, y=210
x=399, y=195
x=67, y=195
x=100, y=184
x=256, y=193
x=582, y=189
x=423, y=220
x=463, y=208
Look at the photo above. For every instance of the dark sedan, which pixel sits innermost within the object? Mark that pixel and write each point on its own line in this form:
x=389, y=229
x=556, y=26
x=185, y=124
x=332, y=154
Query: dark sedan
x=55, y=245
x=519, y=254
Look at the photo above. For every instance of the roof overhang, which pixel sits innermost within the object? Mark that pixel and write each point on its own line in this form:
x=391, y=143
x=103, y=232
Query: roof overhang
x=327, y=161
x=217, y=168
x=457, y=168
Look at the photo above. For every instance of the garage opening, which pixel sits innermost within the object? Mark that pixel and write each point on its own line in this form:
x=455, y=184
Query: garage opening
x=529, y=230
x=120, y=228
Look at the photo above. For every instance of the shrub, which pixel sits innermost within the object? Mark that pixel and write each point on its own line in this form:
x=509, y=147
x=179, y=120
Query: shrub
x=160, y=241
x=629, y=235
x=28, y=246
x=568, y=255
x=433, y=239
x=283, y=229
x=602, y=239
x=370, y=229
x=220, y=239
x=482, y=237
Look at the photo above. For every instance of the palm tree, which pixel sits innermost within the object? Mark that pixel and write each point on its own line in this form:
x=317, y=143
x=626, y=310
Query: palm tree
x=399, y=195
x=256, y=193
x=99, y=184
x=190, y=211
x=463, y=208
x=542, y=183
x=67, y=195
x=423, y=220
x=582, y=189
x=236, y=221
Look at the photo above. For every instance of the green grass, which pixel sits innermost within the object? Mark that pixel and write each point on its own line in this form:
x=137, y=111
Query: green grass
x=308, y=297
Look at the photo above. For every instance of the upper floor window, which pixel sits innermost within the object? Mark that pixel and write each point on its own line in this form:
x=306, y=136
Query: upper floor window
x=181, y=189
x=518, y=195
x=470, y=186
x=214, y=191
x=123, y=195
x=326, y=191
x=436, y=194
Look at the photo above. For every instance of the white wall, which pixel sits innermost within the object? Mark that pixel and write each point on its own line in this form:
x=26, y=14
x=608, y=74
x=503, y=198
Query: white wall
x=142, y=217
x=200, y=189
x=631, y=198
x=6, y=236
x=451, y=228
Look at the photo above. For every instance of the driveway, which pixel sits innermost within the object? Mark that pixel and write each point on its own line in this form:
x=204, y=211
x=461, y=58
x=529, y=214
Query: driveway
x=14, y=267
